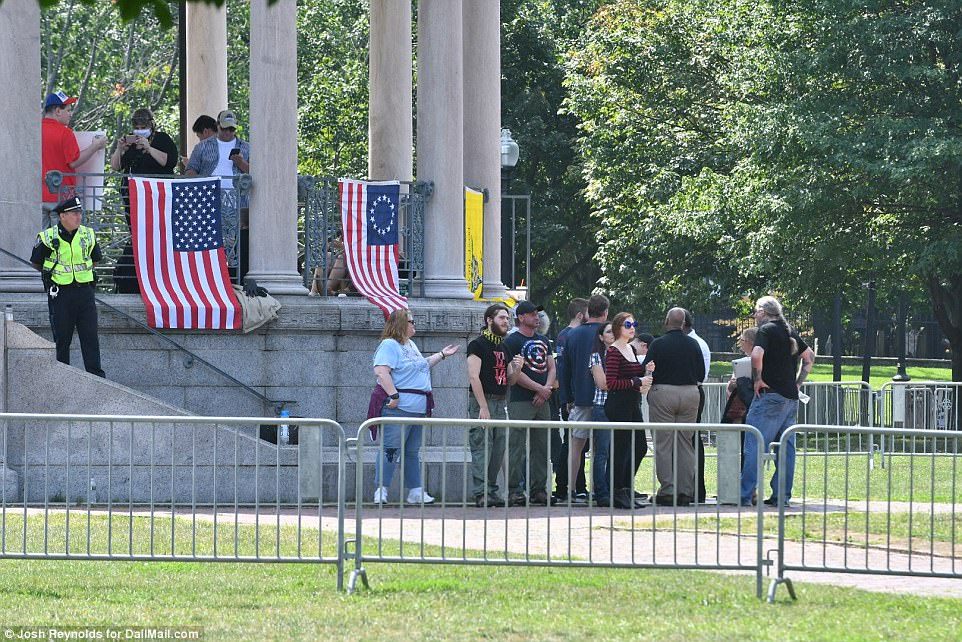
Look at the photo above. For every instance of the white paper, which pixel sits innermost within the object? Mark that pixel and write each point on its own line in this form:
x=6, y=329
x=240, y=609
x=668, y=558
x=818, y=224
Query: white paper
x=742, y=367
x=91, y=188
x=803, y=397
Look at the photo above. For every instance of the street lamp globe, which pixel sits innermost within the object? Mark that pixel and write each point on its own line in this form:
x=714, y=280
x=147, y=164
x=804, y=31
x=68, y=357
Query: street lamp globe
x=509, y=150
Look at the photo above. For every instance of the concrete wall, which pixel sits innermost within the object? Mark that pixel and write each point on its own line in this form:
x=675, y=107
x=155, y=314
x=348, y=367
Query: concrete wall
x=317, y=353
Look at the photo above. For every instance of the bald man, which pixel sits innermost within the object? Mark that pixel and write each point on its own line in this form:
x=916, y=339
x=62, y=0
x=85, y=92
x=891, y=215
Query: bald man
x=673, y=399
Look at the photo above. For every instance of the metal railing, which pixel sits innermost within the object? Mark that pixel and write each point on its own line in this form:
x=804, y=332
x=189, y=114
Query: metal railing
x=171, y=489
x=320, y=234
x=847, y=403
x=276, y=404
x=516, y=241
x=845, y=519
x=207, y=489
x=510, y=521
x=106, y=209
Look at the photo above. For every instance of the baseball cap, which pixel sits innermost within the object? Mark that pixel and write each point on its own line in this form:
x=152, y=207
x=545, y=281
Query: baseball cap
x=525, y=307
x=68, y=205
x=58, y=99
x=226, y=119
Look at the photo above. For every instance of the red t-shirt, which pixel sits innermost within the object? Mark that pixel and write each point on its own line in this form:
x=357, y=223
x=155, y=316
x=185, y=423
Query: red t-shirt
x=59, y=150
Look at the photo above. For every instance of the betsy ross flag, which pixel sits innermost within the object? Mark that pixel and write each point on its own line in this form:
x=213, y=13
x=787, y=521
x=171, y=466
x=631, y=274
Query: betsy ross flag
x=370, y=216
x=179, y=254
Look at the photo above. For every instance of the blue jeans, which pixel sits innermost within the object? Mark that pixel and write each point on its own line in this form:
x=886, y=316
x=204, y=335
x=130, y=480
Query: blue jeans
x=600, y=450
x=772, y=414
x=399, y=443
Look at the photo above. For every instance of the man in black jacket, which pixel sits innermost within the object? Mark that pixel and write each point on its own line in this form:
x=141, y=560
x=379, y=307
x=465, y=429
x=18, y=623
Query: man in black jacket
x=674, y=398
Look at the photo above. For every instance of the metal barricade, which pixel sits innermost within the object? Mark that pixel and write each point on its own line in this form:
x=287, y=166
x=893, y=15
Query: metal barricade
x=843, y=518
x=919, y=405
x=106, y=209
x=208, y=489
x=494, y=506
x=836, y=403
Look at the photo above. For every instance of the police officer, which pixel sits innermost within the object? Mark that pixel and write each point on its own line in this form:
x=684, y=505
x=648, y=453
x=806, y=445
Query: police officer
x=66, y=255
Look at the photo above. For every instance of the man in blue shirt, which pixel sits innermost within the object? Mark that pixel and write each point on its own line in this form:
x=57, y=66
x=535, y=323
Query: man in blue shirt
x=578, y=386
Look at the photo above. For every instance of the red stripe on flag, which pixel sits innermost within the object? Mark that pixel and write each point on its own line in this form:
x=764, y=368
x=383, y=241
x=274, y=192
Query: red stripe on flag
x=180, y=288
x=373, y=268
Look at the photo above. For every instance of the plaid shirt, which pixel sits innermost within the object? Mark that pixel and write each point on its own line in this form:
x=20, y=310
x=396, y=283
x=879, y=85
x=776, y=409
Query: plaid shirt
x=601, y=396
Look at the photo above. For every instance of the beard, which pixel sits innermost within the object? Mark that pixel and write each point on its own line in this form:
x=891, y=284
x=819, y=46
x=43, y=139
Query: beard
x=498, y=330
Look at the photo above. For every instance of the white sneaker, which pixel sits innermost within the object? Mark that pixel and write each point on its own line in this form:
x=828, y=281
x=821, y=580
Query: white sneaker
x=380, y=495
x=418, y=496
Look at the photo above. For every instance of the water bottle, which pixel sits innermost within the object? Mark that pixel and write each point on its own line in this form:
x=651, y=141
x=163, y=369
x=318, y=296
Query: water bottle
x=92, y=498
x=283, y=433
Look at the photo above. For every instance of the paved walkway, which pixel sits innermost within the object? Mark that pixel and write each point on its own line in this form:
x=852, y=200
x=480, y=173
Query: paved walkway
x=661, y=537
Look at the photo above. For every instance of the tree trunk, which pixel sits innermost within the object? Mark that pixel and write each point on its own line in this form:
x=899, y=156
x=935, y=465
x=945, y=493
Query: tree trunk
x=946, y=296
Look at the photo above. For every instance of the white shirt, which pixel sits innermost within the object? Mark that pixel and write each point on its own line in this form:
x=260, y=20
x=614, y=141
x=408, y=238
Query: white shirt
x=705, y=352
x=225, y=166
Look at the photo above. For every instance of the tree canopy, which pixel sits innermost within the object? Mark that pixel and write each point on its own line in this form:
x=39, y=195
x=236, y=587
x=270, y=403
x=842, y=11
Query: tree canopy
x=797, y=146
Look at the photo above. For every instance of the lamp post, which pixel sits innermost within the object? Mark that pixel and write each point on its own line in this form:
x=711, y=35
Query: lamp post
x=510, y=152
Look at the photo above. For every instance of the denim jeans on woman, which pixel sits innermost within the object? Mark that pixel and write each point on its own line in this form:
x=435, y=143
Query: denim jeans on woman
x=400, y=443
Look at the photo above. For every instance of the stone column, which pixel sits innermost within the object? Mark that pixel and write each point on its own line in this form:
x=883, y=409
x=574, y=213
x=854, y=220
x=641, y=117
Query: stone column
x=390, y=120
x=206, y=63
x=482, y=126
x=20, y=114
x=273, y=105
x=440, y=145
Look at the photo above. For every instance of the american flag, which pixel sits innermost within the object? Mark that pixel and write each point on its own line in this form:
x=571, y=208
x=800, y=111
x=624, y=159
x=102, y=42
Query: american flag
x=369, y=214
x=179, y=254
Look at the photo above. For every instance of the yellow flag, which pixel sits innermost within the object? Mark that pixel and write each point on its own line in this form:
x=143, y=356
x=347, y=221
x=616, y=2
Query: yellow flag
x=473, y=240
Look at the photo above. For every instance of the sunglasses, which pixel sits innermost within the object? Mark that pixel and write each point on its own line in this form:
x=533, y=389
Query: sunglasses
x=411, y=321
x=631, y=324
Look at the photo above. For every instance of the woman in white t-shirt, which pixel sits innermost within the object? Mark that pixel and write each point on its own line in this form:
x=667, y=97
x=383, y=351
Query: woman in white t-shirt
x=405, y=375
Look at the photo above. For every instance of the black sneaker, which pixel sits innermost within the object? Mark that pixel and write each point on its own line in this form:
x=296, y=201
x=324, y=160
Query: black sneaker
x=517, y=499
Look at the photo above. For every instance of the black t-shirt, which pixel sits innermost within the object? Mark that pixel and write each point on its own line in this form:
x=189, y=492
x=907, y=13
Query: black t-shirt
x=536, y=351
x=779, y=365
x=138, y=161
x=494, y=365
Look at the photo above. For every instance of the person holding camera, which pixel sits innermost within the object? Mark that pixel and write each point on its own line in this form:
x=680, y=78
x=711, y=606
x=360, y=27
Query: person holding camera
x=144, y=150
x=227, y=156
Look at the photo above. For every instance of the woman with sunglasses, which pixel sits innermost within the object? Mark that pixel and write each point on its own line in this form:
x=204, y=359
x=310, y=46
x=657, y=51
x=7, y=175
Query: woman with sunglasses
x=404, y=376
x=626, y=382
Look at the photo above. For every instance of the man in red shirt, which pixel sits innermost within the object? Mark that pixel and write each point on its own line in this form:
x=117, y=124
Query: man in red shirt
x=60, y=149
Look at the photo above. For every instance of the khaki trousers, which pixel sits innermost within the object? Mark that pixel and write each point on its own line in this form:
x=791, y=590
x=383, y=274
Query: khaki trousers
x=674, y=452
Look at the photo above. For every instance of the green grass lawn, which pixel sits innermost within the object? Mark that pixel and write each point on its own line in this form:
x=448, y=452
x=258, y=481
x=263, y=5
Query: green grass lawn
x=234, y=601
x=941, y=532
x=920, y=478
x=880, y=374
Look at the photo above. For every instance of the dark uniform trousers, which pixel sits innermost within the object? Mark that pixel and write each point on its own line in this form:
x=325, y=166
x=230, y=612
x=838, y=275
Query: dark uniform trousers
x=74, y=307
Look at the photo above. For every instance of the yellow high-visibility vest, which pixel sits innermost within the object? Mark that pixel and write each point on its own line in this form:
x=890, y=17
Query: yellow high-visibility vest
x=69, y=262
